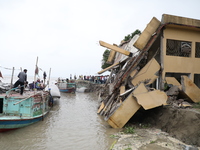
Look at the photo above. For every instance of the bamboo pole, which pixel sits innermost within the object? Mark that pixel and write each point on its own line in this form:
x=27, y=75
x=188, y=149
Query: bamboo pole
x=49, y=77
x=43, y=106
x=48, y=83
x=11, y=83
x=35, y=73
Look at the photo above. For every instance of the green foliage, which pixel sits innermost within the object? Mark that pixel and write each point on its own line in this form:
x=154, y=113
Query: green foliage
x=105, y=58
x=152, y=142
x=130, y=36
x=128, y=148
x=129, y=130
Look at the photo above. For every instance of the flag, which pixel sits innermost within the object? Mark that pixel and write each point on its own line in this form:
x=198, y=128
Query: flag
x=44, y=75
x=1, y=74
x=36, y=70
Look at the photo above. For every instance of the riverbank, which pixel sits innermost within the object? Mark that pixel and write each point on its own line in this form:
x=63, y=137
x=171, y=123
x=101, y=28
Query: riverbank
x=163, y=128
x=169, y=128
x=148, y=139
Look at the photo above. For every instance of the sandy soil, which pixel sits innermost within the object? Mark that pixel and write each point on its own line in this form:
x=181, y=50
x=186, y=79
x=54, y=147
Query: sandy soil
x=149, y=139
x=169, y=128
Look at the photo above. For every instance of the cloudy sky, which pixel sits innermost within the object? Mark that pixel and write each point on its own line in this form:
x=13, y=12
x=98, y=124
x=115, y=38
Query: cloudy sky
x=65, y=34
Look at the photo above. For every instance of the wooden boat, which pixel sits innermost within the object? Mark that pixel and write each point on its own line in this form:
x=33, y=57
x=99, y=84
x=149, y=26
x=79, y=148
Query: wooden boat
x=17, y=111
x=67, y=87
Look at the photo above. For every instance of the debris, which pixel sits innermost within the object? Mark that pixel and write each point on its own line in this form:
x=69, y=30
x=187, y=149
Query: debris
x=154, y=71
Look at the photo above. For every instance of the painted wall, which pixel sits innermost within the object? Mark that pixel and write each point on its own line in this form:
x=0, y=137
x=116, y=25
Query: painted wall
x=179, y=64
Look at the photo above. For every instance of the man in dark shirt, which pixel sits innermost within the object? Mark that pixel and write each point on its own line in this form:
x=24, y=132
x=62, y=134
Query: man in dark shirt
x=21, y=81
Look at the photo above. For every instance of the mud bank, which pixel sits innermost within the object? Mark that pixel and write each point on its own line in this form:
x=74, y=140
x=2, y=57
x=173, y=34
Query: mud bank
x=149, y=139
x=166, y=123
x=182, y=124
x=169, y=129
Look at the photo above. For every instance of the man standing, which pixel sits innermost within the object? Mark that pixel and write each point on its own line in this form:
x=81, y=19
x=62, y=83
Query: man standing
x=21, y=81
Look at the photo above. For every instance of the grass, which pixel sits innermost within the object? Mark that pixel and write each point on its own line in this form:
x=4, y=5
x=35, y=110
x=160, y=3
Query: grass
x=114, y=136
x=129, y=130
x=128, y=148
x=196, y=105
x=152, y=142
x=144, y=126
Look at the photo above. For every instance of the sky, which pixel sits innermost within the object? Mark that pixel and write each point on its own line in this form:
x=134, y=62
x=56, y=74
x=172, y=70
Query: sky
x=64, y=34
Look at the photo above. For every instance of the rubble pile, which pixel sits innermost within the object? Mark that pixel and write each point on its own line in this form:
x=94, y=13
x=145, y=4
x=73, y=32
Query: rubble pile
x=146, y=73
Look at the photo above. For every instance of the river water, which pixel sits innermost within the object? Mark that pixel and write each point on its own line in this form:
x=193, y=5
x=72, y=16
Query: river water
x=72, y=124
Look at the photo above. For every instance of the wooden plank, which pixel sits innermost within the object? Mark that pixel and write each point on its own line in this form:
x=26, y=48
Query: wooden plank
x=111, y=57
x=133, y=73
x=122, y=89
x=101, y=107
x=115, y=48
x=190, y=89
x=108, y=68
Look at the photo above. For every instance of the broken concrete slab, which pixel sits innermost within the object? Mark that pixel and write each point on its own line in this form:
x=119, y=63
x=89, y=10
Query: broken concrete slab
x=148, y=72
x=150, y=99
x=127, y=109
x=147, y=33
x=190, y=89
x=173, y=81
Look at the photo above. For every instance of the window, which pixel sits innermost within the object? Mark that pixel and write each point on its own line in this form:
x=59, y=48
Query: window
x=197, y=50
x=178, y=48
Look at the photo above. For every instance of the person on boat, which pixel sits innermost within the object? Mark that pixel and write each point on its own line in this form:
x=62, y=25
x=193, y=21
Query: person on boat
x=42, y=86
x=21, y=81
x=39, y=84
x=31, y=85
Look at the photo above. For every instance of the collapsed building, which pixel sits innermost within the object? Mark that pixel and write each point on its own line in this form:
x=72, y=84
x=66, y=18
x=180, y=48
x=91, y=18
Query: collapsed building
x=158, y=67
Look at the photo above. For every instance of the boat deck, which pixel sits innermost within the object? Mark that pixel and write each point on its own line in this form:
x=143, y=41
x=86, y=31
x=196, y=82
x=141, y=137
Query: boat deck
x=18, y=95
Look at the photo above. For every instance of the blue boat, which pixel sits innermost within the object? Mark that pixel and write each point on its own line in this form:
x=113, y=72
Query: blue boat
x=17, y=111
x=67, y=87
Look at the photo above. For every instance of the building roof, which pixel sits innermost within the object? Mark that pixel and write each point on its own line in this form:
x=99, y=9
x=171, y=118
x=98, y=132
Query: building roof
x=171, y=19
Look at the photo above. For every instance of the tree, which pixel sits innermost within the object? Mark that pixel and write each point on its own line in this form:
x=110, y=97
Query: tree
x=107, y=52
x=105, y=58
x=130, y=36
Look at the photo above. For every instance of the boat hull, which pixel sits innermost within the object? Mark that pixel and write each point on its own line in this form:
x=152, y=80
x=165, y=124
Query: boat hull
x=68, y=90
x=67, y=87
x=17, y=111
x=14, y=123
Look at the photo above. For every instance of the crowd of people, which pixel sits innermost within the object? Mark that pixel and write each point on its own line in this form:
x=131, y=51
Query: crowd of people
x=39, y=85
x=96, y=79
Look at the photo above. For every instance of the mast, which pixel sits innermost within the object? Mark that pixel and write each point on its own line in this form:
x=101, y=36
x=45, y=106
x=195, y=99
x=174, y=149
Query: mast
x=49, y=77
x=36, y=72
x=11, y=83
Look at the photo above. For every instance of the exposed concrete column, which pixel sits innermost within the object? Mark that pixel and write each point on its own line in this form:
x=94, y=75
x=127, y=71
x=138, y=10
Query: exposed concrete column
x=162, y=54
x=193, y=49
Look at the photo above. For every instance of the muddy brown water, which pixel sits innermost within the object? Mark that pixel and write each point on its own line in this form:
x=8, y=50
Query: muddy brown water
x=72, y=124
